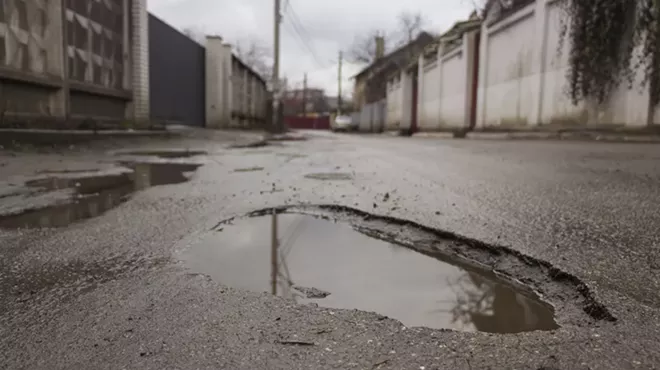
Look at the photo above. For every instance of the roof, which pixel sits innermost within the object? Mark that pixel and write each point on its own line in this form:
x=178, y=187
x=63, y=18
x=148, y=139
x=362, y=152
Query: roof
x=250, y=69
x=423, y=38
x=454, y=33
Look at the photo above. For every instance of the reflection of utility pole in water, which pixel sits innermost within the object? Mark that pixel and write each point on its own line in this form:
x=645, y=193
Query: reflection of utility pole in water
x=273, y=255
x=142, y=175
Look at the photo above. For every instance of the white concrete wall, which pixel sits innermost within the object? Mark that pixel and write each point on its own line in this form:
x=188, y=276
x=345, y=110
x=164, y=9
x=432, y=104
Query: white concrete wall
x=394, y=105
x=235, y=96
x=522, y=77
x=406, y=101
x=453, y=94
x=217, y=70
x=140, y=60
x=428, y=114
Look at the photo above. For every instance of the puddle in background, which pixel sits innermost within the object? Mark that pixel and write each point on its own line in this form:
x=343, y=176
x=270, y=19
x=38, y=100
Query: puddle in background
x=363, y=273
x=166, y=153
x=96, y=194
x=329, y=176
x=249, y=169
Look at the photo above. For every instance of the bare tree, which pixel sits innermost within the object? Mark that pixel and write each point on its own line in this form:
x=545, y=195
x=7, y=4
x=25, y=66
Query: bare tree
x=410, y=25
x=195, y=33
x=256, y=55
x=363, y=49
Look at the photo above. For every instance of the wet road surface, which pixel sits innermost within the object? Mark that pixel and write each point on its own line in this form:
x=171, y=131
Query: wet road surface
x=112, y=292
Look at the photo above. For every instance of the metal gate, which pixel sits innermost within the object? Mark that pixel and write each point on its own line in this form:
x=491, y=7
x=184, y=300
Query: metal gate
x=177, y=68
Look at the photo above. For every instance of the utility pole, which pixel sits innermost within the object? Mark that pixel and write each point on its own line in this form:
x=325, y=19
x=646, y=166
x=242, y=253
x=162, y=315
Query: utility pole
x=341, y=58
x=276, y=66
x=304, y=97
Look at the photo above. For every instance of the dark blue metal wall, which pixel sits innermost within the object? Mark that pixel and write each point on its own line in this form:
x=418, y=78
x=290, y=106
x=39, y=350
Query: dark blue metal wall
x=177, y=67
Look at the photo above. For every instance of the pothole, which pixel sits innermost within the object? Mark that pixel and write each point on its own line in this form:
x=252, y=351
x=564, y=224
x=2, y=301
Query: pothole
x=165, y=153
x=340, y=265
x=249, y=169
x=328, y=176
x=96, y=193
x=250, y=144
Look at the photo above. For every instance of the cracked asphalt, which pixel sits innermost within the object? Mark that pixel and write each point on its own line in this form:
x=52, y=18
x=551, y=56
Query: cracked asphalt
x=109, y=292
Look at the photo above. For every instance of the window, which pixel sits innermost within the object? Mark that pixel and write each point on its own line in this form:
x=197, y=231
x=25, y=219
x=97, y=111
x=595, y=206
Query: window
x=119, y=77
x=72, y=68
x=71, y=32
x=23, y=54
x=97, y=41
x=81, y=68
x=21, y=9
x=108, y=46
x=81, y=35
x=3, y=51
x=97, y=71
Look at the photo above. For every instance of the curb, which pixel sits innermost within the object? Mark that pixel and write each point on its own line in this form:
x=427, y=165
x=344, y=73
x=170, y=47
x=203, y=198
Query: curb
x=68, y=137
x=575, y=135
x=434, y=135
x=547, y=135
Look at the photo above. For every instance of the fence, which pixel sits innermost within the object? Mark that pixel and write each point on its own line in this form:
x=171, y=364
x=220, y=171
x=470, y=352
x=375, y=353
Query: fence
x=371, y=118
x=307, y=123
x=523, y=76
x=177, y=80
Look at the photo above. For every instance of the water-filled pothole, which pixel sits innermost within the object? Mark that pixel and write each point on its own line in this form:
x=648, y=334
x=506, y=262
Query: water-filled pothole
x=336, y=266
x=95, y=194
x=165, y=153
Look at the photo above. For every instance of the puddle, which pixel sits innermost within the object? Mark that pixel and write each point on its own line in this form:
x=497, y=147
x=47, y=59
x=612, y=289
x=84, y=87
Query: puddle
x=338, y=267
x=329, y=176
x=166, y=153
x=249, y=169
x=93, y=195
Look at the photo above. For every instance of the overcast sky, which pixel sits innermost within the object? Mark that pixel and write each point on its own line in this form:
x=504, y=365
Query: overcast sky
x=329, y=25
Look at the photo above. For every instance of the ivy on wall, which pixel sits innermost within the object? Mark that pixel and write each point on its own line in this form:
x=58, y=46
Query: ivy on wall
x=602, y=36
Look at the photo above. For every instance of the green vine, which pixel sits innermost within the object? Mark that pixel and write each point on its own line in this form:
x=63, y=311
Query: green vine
x=603, y=36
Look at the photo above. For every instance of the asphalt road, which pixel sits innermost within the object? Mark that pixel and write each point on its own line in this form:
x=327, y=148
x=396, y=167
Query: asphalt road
x=110, y=292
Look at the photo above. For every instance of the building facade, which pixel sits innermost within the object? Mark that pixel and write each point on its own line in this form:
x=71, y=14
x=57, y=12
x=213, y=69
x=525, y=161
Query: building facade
x=72, y=61
x=236, y=95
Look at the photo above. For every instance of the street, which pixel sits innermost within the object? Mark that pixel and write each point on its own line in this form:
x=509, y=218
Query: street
x=575, y=221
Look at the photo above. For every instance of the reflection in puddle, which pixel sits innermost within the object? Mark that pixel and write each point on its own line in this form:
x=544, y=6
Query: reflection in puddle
x=94, y=195
x=363, y=273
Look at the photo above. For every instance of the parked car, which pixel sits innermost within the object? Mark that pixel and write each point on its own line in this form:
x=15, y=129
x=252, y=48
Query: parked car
x=343, y=123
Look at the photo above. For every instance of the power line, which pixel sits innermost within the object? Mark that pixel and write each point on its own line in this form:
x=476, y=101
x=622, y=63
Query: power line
x=296, y=36
x=302, y=33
